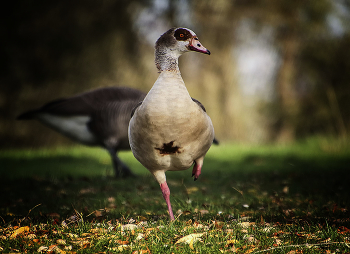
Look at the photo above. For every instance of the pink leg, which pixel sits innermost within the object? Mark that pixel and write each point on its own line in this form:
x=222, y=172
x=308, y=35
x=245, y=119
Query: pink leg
x=166, y=194
x=197, y=167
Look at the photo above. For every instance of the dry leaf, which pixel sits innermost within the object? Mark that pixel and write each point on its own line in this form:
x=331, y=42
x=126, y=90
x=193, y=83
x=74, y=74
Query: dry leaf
x=141, y=252
x=61, y=242
x=267, y=229
x=69, y=247
x=203, y=212
x=82, y=243
x=192, y=189
x=139, y=237
x=192, y=238
x=119, y=248
x=42, y=249
x=111, y=199
x=128, y=227
x=231, y=242
x=98, y=213
x=98, y=230
x=55, y=249
x=19, y=231
x=278, y=242
x=72, y=235
x=250, y=238
x=31, y=236
x=250, y=250
x=245, y=224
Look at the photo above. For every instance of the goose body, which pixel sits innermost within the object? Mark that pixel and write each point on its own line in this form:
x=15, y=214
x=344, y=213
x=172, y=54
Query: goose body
x=96, y=118
x=170, y=130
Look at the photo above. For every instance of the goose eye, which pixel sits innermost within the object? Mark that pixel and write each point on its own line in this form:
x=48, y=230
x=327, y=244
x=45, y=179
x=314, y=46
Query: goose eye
x=182, y=35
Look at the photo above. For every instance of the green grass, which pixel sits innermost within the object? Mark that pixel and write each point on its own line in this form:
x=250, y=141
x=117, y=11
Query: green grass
x=266, y=199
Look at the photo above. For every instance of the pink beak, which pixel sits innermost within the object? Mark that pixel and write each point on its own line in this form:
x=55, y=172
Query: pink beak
x=195, y=45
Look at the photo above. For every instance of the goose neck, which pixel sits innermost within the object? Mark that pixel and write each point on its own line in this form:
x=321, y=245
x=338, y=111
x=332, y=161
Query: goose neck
x=166, y=61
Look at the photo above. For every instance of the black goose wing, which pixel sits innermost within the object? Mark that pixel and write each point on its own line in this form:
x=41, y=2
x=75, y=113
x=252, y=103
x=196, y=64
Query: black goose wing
x=86, y=103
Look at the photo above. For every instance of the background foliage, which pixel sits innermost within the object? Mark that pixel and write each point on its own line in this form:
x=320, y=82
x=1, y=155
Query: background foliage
x=278, y=69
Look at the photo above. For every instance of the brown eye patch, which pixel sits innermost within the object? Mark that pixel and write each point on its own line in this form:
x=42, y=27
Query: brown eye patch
x=182, y=34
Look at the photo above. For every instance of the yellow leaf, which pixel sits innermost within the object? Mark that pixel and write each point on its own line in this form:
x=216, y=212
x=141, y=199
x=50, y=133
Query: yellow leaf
x=192, y=189
x=191, y=244
x=192, y=238
x=19, y=231
x=231, y=242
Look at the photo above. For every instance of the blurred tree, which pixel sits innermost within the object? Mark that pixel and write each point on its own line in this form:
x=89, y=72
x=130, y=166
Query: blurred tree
x=58, y=48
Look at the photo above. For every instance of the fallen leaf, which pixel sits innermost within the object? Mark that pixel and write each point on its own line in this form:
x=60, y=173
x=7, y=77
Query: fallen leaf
x=139, y=237
x=31, y=236
x=98, y=230
x=61, y=242
x=141, y=252
x=98, y=213
x=19, y=231
x=202, y=212
x=250, y=250
x=246, y=224
x=69, y=247
x=192, y=238
x=186, y=212
x=231, y=242
x=72, y=235
x=111, y=199
x=128, y=227
x=192, y=189
x=42, y=249
x=119, y=248
x=343, y=230
x=250, y=238
x=267, y=229
x=55, y=249
x=82, y=243
x=278, y=242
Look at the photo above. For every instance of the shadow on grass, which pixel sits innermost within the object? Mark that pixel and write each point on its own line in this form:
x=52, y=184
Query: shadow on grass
x=273, y=188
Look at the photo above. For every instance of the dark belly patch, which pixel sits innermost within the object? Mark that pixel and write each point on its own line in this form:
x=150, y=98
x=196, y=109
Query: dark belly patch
x=168, y=148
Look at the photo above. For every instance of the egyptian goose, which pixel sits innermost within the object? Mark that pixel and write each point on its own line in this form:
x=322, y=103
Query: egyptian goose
x=169, y=130
x=96, y=118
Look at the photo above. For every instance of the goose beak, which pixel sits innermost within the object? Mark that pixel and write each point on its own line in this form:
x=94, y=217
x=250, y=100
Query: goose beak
x=195, y=45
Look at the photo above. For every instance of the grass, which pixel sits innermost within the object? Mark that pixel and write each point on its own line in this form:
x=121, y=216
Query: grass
x=266, y=199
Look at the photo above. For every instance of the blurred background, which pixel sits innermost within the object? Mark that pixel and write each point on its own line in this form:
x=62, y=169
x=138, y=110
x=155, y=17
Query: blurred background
x=279, y=70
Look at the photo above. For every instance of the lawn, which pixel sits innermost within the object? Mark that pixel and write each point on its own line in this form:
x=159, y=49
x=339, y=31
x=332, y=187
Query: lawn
x=262, y=199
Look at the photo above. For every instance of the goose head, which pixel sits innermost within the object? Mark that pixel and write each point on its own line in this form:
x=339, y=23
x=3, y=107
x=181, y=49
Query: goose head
x=173, y=43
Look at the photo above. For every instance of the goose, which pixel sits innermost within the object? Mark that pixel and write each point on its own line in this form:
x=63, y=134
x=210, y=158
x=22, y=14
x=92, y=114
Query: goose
x=96, y=118
x=169, y=130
